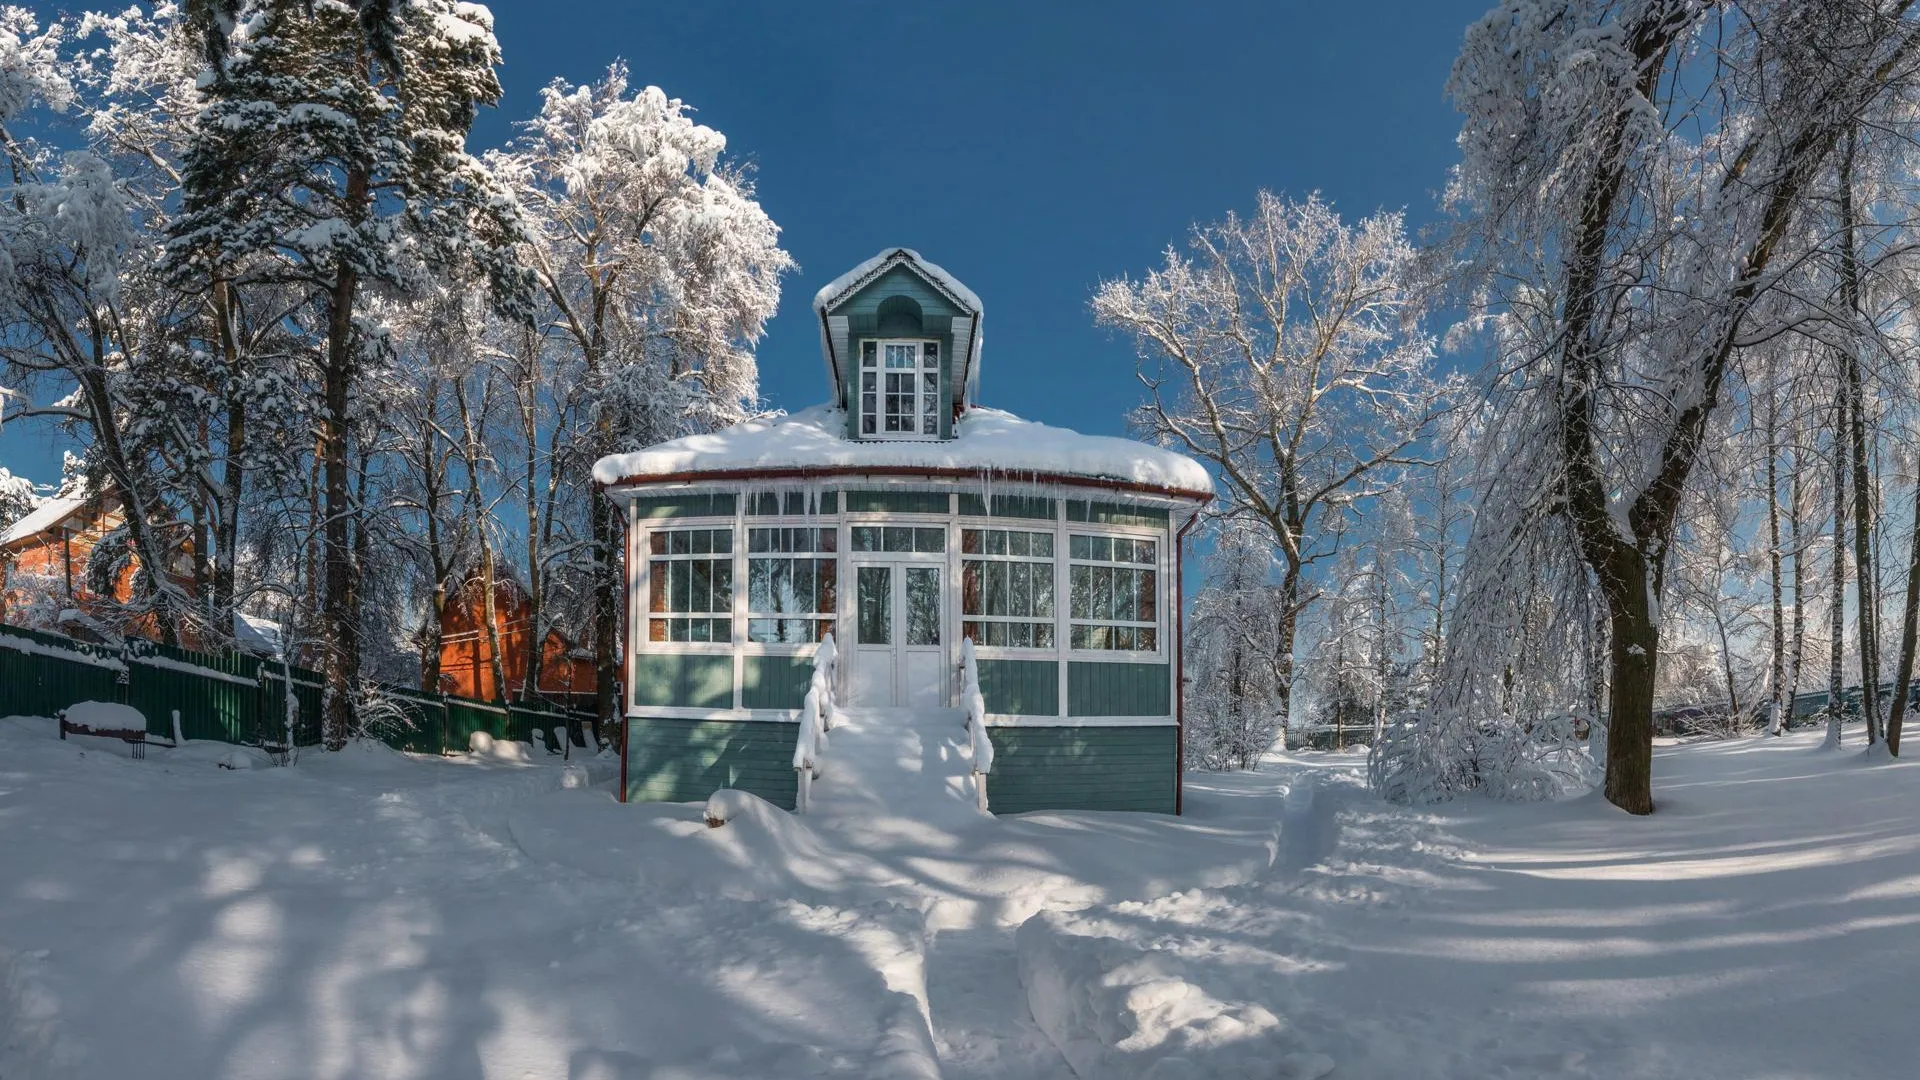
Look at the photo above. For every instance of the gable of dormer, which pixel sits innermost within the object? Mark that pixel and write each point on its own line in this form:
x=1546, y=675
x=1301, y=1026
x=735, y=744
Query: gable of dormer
x=900, y=338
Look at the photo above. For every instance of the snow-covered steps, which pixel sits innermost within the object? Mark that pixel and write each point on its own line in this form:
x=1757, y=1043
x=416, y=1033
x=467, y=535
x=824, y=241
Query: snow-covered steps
x=886, y=771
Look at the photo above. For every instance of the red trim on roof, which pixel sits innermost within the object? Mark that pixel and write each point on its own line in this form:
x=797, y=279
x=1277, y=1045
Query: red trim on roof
x=938, y=472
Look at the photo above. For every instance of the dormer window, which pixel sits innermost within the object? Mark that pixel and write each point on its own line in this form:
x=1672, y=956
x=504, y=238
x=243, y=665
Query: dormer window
x=899, y=389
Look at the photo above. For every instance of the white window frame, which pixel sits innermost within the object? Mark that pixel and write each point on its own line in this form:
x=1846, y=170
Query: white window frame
x=645, y=614
x=825, y=524
x=920, y=369
x=1161, y=599
x=1040, y=526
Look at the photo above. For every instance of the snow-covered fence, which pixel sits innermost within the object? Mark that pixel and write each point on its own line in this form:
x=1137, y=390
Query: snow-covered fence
x=816, y=719
x=975, y=705
x=238, y=697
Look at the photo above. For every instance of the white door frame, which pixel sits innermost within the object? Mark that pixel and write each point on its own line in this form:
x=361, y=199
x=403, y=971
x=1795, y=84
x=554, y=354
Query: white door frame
x=894, y=657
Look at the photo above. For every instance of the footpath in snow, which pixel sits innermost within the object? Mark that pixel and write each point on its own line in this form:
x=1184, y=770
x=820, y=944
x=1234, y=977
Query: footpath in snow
x=370, y=914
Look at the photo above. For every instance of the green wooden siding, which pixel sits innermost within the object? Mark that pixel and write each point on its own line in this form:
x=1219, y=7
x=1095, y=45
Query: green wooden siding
x=1015, y=506
x=898, y=281
x=774, y=682
x=1021, y=687
x=1109, y=513
x=898, y=502
x=691, y=504
x=683, y=680
x=792, y=503
x=1097, y=689
x=1082, y=768
x=689, y=760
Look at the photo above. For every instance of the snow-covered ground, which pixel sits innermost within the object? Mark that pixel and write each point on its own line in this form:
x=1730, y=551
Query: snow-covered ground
x=374, y=915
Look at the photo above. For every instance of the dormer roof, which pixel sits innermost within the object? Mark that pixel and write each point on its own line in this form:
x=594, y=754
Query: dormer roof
x=876, y=274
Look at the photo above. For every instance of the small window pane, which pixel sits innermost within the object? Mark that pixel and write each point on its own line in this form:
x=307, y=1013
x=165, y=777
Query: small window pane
x=657, y=543
x=866, y=538
x=929, y=540
x=866, y=422
x=866, y=353
x=930, y=353
x=898, y=538
x=1079, y=546
x=1042, y=545
x=657, y=586
x=656, y=629
x=970, y=541
x=923, y=605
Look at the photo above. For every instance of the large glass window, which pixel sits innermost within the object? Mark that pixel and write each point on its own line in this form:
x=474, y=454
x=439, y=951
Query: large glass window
x=921, y=538
x=1006, y=588
x=1113, y=593
x=791, y=586
x=690, y=585
x=900, y=389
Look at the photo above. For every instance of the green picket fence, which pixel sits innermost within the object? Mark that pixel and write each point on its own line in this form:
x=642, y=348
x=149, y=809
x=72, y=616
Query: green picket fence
x=240, y=698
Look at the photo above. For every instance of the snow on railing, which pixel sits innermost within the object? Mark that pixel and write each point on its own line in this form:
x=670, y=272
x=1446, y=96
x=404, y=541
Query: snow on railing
x=975, y=705
x=816, y=719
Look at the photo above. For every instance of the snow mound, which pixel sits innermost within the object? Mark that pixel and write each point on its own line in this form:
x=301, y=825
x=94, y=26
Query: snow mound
x=986, y=440
x=485, y=747
x=220, y=755
x=1115, y=1010
x=105, y=716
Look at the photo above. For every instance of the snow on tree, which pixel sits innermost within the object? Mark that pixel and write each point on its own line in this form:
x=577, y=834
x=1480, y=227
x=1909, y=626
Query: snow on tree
x=1622, y=219
x=1233, y=704
x=660, y=270
x=1278, y=349
x=331, y=156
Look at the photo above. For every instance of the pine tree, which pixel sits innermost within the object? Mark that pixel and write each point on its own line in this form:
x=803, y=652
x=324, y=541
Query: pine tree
x=330, y=156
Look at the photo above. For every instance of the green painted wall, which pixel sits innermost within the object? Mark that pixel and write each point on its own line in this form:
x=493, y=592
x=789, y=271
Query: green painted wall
x=689, y=760
x=1107, y=513
x=1015, y=506
x=687, y=680
x=897, y=502
x=701, y=504
x=1097, y=689
x=792, y=503
x=774, y=682
x=1020, y=687
x=1082, y=768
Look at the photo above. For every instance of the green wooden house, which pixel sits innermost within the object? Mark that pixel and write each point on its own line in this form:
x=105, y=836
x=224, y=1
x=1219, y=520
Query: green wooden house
x=902, y=516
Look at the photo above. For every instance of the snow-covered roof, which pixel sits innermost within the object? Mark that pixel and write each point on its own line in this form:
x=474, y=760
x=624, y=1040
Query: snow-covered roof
x=257, y=634
x=984, y=440
x=872, y=268
x=51, y=511
x=967, y=382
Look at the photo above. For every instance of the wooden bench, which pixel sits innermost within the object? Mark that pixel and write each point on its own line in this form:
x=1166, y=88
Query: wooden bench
x=137, y=740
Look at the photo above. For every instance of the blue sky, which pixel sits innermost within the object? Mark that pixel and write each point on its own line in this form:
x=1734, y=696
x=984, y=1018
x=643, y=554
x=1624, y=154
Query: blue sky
x=1031, y=148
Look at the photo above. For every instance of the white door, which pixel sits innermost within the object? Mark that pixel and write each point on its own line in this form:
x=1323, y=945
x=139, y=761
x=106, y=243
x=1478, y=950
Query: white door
x=898, y=658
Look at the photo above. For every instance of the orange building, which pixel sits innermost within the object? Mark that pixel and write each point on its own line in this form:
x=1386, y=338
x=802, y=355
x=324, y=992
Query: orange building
x=44, y=555
x=466, y=650
x=47, y=576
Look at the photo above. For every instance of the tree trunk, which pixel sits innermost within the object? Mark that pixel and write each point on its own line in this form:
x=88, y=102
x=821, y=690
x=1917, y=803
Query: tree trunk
x=1781, y=703
x=232, y=473
x=536, y=590
x=1635, y=651
x=1866, y=577
x=340, y=631
x=605, y=615
x=1837, y=588
x=1797, y=652
x=1903, y=672
x=1285, y=628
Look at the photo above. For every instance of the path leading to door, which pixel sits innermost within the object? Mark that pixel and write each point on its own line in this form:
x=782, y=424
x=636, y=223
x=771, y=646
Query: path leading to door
x=894, y=776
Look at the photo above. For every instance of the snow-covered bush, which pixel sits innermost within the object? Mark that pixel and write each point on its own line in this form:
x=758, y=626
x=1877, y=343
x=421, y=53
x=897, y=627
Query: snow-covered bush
x=1234, y=710
x=1426, y=758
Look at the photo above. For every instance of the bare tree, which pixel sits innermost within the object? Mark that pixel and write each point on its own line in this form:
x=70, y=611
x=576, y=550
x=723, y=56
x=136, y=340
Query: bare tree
x=1279, y=349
